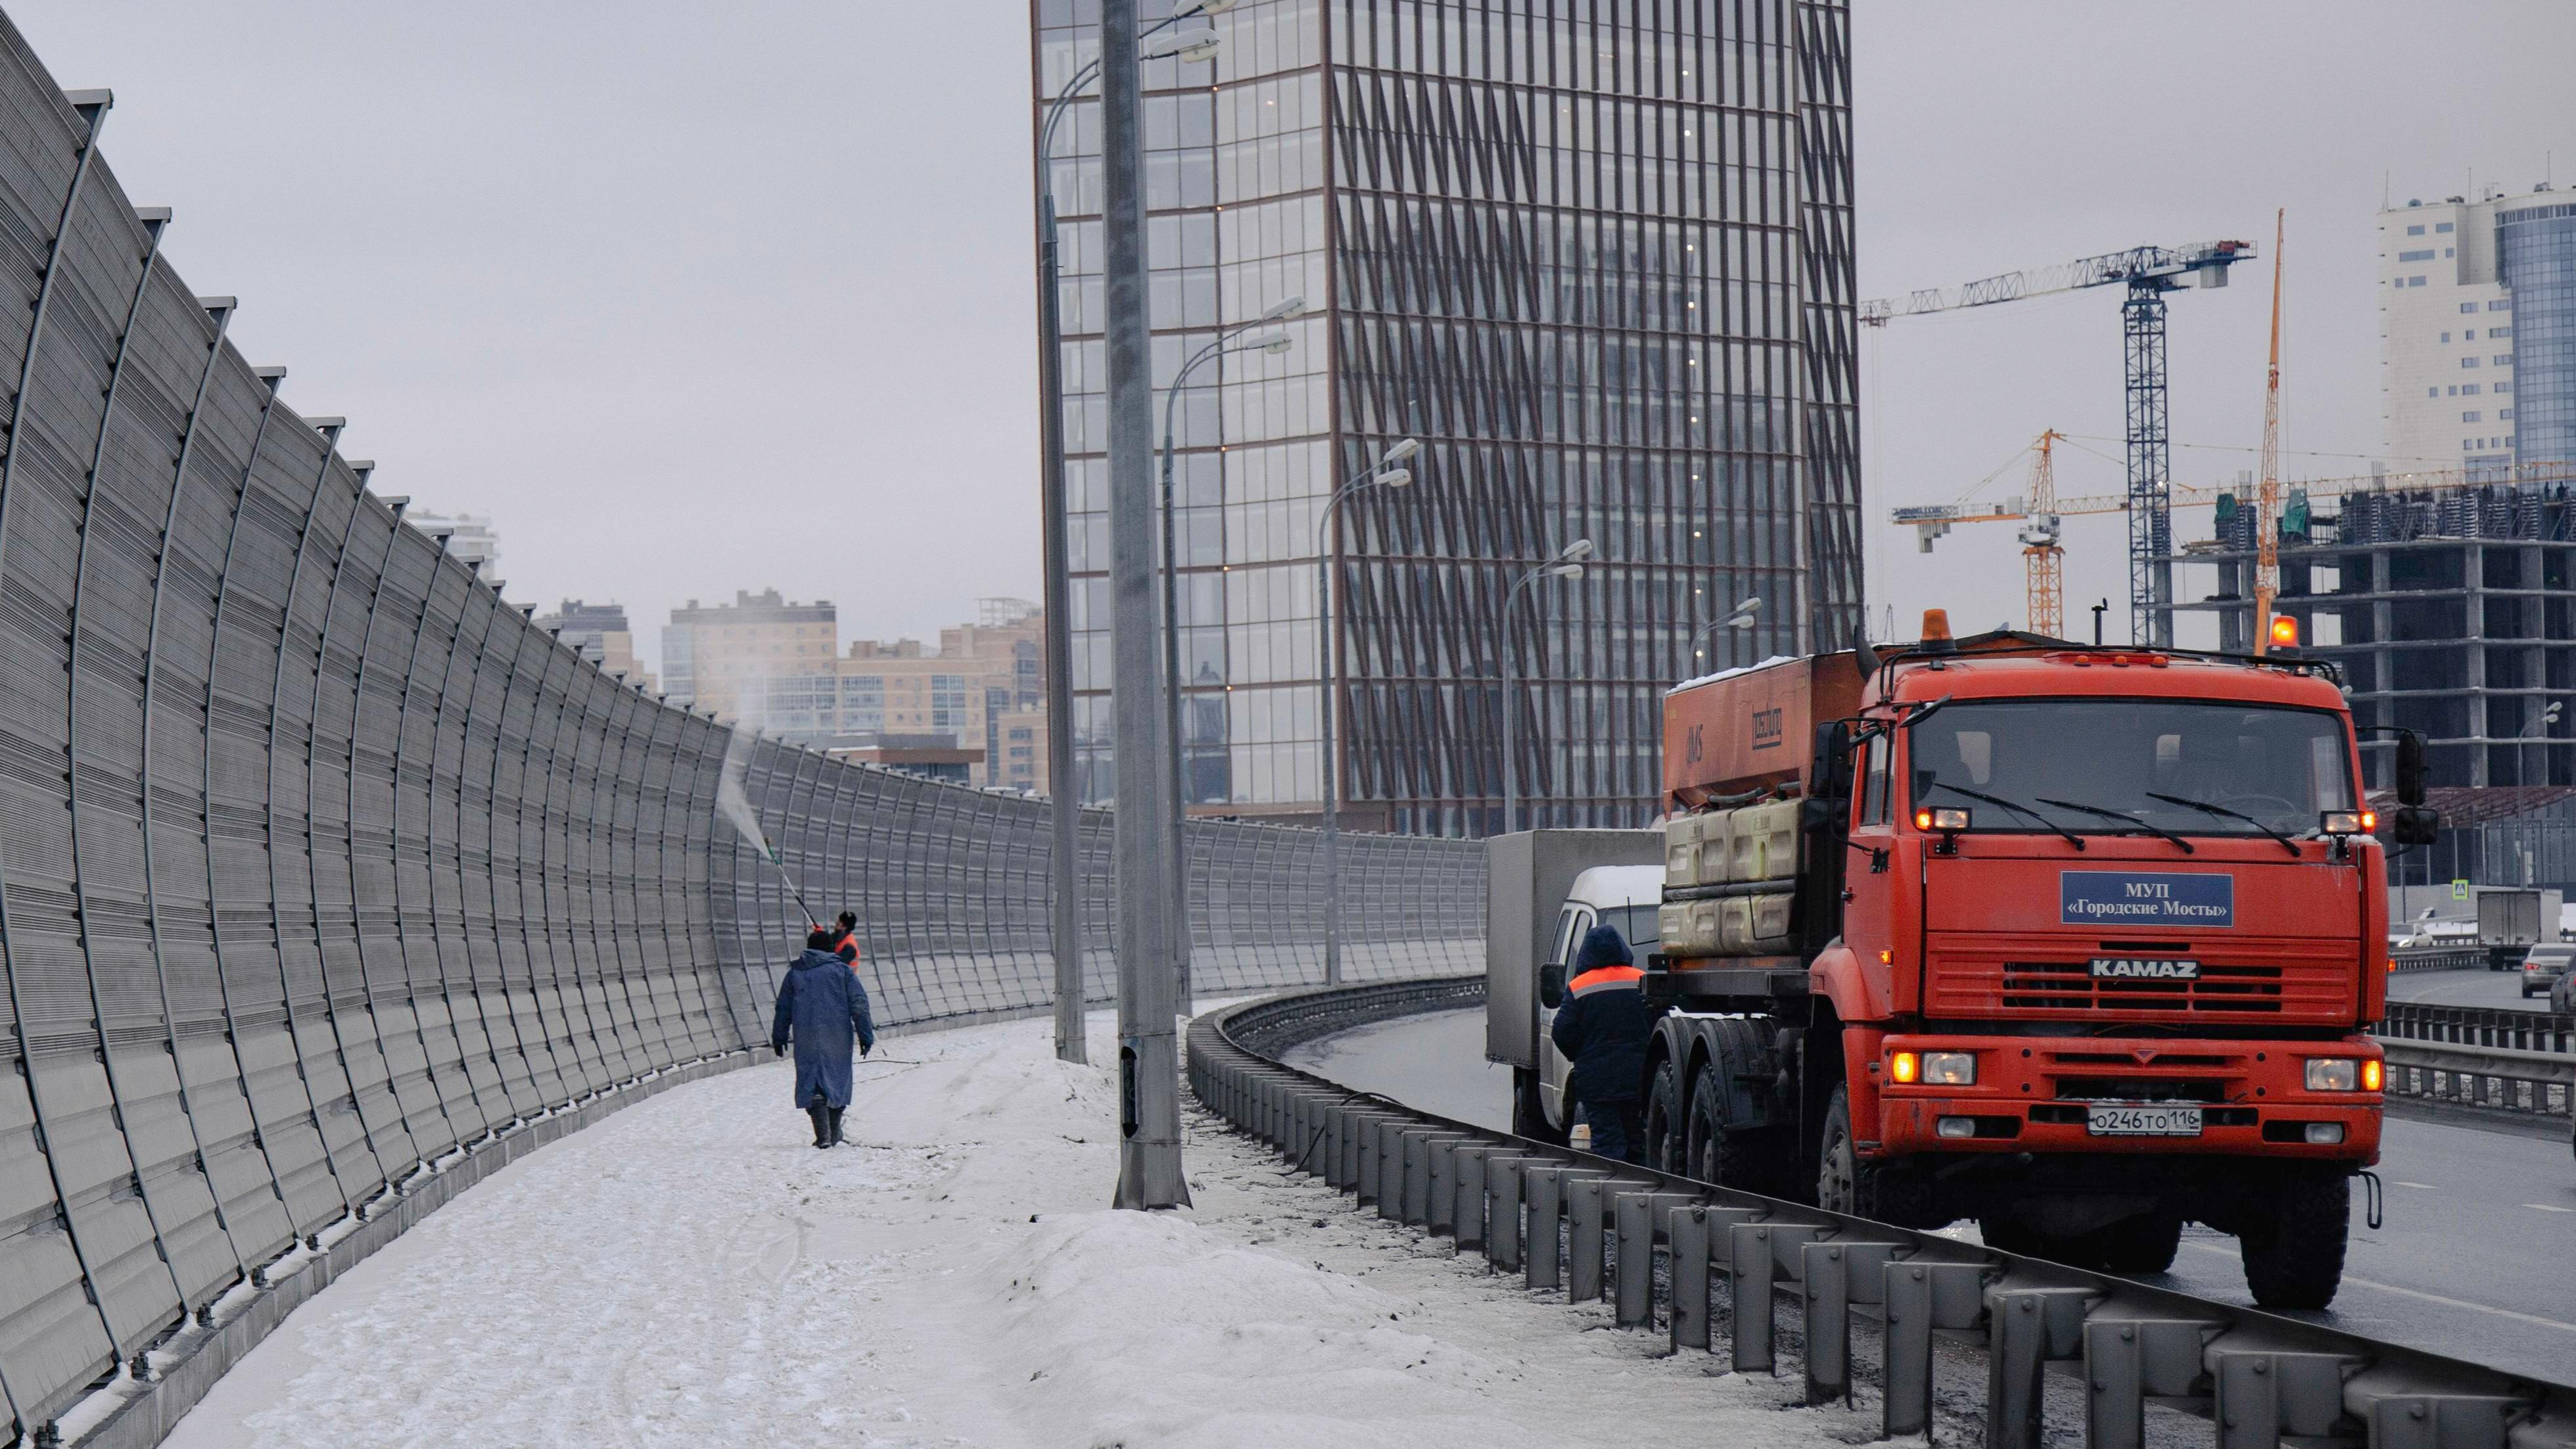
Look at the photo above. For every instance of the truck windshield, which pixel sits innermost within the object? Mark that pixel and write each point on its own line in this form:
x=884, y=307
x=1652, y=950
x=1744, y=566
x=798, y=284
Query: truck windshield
x=2255, y=767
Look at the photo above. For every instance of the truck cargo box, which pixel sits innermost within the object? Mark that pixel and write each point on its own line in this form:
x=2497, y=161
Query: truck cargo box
x=1751, y=729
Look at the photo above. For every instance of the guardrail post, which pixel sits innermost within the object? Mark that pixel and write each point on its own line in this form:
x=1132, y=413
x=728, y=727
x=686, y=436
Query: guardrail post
x=2399, y=1414
x=1544, y=1187
x=1700, y=1240
x=1587, y=1214
x=1921, y=1297
x=1638, y=1221
x=1467, y=1193
x=2264, y=1395
x=1422, y=1196
x=1760, y=1253
x=1840, y=1273
x=1504, y=1180
x=2027, y=1326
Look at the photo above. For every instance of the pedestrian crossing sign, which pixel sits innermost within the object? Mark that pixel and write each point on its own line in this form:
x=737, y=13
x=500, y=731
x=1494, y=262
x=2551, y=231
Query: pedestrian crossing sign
x=2459, y=890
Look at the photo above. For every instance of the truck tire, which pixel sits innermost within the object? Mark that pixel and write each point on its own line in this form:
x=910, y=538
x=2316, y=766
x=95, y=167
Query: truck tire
x=1713, y=1154
x=1899, y=1196
x=1665, y=1121
x=1529, y=1114
x=2292, y=1239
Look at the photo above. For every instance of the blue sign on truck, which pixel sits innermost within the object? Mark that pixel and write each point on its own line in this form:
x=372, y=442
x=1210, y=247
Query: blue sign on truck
x=2145, y=898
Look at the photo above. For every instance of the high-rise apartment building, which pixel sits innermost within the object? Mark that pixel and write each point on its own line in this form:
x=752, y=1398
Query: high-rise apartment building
x=2478, y=332
x=1596, y=256
x=774, y=665
x=600, y=632
x=762, y=661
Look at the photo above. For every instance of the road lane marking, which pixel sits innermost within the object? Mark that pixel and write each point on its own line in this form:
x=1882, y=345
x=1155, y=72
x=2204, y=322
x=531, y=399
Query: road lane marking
x=2401, y=1182
x=2544, y=1207
x=2426, y=1297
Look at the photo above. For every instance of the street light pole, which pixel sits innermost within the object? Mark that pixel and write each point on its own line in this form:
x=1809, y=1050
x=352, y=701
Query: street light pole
x=1385, y=473
x=1065, y=794
x=1063, y=788
x=1149, y=1148
x=1176, y=742
x=1567, y=564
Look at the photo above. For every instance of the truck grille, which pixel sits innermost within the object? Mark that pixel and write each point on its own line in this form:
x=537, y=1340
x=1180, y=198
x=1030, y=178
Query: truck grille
x=2071, y=986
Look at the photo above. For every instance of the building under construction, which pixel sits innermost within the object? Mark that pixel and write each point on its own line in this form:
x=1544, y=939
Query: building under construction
x=2452, y=612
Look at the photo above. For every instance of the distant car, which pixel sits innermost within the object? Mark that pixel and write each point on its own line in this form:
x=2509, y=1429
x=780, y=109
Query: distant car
x=2544, y=967
x=2562, y=997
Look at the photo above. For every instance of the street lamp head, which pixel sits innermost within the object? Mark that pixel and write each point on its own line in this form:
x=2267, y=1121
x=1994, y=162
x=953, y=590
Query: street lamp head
x=1187, y=46
x=1396, y=477
x=1579, y=549
x=1401, y=451
x=1566, y=571
x=1282, y=311
x=1274, y=342
x=1745, y=613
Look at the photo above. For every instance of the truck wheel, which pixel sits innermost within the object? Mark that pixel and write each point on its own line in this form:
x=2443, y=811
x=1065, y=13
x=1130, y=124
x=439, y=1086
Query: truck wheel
x=1711, y=1153
x=1529, y=1114
x=2293, y=1240
x=2138, y=1246
x=1664, y=1120
x=1838, y=1175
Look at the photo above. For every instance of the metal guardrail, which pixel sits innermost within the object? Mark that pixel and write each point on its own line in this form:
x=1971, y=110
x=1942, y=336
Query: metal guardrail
x=1656, y=1245
x=2497, y=1079
x=2443, y=958
x=2483, y=1026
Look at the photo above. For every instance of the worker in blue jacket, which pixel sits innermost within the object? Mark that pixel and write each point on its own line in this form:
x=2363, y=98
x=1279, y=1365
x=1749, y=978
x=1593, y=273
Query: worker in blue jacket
x=1602, y=1029
x=822, y=1006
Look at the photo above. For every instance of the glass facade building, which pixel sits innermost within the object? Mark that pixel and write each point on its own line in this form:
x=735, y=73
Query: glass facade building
x=1596, y=256
x=2536, y=259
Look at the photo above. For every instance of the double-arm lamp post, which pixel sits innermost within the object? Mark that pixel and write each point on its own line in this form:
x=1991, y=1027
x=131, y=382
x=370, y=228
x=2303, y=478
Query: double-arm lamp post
x=1386, y=472
x=1230, y=339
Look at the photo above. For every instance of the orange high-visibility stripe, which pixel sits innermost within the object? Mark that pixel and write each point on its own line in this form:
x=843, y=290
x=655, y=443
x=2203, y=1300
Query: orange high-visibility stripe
x=1613, y=976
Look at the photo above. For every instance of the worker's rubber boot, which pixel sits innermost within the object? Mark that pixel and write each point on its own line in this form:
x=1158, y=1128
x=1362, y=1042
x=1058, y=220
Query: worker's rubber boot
x=822, y=1125
x=837, y=1138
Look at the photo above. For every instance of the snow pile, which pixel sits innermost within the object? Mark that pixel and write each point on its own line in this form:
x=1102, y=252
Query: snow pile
x=691, y=1271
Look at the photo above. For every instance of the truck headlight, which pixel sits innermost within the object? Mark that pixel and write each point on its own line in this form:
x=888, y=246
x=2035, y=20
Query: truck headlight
x=2333, y=1074
x=1949, y=1069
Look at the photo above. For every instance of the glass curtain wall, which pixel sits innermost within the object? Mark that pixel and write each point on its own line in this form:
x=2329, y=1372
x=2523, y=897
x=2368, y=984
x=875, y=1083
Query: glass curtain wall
x=1594, y=255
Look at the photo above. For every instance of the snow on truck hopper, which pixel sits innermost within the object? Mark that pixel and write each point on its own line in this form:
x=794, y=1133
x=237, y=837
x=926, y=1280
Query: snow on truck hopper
x=2075, y=941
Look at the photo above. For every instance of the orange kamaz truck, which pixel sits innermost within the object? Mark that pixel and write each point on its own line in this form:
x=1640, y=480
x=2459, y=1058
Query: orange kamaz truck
x=2081, y=943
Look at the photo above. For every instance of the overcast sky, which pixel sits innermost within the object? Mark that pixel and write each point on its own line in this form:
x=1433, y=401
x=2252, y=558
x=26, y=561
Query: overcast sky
x=694, y=298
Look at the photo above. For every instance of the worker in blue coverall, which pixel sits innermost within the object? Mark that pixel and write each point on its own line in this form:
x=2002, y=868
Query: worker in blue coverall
x=822, y=1007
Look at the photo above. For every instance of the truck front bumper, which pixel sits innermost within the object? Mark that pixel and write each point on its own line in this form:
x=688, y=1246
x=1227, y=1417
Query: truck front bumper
x=2038, y=1095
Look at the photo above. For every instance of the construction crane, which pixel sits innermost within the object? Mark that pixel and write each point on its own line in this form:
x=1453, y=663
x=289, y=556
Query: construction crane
x=2267, y=509
x=2043, y=557
x=2148, y=273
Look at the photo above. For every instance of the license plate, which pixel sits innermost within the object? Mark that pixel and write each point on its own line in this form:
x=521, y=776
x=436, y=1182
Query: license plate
x=2106, y=1121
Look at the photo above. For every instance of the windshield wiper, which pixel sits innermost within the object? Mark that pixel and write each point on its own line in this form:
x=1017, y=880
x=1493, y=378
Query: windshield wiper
x=2130, y=820
x=2045, y=823
x=2287, y=843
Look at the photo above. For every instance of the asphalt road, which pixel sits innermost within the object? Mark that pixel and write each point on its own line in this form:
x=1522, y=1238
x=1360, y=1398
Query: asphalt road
x=2477, y=1257
x=2501, y=989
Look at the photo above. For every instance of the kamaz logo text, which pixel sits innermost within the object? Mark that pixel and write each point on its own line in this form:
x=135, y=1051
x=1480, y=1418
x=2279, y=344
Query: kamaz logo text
x=2122, y=968
x=1767, y=729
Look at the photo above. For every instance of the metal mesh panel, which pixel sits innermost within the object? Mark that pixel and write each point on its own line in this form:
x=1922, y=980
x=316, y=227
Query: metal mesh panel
x=317, y=860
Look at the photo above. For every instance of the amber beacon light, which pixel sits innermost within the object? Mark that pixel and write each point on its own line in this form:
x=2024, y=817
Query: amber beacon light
x=2285, y=632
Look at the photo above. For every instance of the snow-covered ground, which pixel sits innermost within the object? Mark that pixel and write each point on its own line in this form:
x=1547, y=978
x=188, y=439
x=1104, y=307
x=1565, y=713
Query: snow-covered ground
x=691, y=1271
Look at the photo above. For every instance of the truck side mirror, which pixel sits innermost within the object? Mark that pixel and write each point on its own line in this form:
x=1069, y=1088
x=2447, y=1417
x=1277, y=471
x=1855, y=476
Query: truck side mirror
x=1551, y=987
x=1830, y=765
x=2410, y=768
x=2415, y=824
